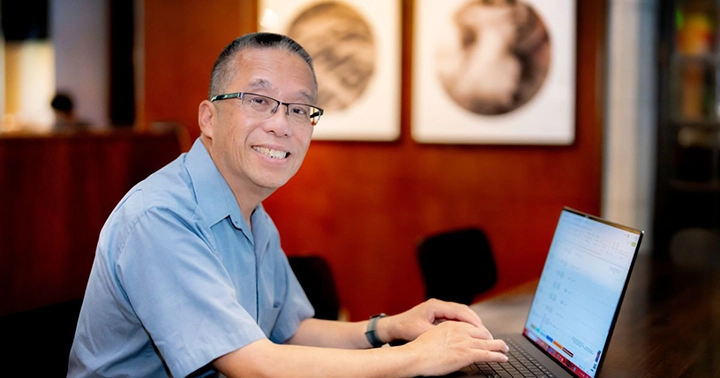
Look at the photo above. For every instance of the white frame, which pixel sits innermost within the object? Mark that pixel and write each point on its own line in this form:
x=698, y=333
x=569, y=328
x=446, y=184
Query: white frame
x=548, y=118
x=375, y=116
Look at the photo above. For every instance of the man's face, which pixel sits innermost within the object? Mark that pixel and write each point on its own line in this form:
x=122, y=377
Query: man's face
x=252, y=152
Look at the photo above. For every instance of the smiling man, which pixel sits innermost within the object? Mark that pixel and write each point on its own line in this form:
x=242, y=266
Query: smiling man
x=189, y=278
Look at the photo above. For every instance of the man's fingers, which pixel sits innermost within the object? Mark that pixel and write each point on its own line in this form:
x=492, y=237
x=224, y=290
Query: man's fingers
x=494, y=345
x=492, y=350
x=491, y=356
x=480, y=333
x=454, y=311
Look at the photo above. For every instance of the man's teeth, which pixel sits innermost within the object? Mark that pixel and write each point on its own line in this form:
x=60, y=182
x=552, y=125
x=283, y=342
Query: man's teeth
x=275, y=154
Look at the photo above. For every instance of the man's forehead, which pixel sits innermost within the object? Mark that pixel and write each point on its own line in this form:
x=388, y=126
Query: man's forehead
x=262, y=84
x=261, y=73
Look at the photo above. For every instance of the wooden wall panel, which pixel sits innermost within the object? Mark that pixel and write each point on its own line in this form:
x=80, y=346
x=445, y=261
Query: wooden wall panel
x=57, y=192
x=364, y=205
x=182, y=39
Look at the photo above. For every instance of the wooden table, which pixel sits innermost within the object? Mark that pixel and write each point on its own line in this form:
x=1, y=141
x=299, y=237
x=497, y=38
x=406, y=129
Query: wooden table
x=669, y=324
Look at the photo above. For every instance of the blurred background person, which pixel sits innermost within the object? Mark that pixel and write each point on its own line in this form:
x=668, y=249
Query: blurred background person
x=64, y=111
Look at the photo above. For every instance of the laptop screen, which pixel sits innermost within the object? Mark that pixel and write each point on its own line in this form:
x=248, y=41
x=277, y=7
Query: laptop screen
x=580, y=290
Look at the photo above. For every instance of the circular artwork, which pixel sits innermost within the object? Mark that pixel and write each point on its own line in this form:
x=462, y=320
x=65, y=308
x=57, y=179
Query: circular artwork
x=341, y=44
x=499, y=56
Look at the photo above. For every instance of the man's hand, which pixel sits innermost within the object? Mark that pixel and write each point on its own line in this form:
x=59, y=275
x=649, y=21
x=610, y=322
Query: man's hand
x=445, y=337
x=444, y=348
x=421, y=318
x=452, y=345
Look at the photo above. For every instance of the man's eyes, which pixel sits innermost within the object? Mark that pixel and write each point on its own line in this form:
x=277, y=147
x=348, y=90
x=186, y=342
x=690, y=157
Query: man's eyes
x=259, y=101
x=299, y=110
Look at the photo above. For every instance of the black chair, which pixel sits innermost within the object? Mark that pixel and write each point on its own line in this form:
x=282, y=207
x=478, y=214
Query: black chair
x=457, y=265
x=317, y=280
x=696, y=248
x=38, y=341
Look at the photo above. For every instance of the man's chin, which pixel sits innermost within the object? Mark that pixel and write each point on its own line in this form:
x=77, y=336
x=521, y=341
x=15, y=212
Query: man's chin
x=272, y=183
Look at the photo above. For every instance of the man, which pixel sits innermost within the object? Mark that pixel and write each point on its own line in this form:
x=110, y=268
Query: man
x=64, y=111
x=189, y=277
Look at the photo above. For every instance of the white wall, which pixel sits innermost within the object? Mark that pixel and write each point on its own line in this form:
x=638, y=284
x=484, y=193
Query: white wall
x=80, y=33
x=30, y=83
x=630, y=122
x=2, y=75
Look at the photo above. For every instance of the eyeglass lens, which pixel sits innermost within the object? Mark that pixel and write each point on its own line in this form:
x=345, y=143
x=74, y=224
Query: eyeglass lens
x=267, y=106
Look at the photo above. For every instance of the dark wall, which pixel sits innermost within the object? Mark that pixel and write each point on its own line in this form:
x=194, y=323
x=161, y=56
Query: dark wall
x=122, y=66
x=24, y=20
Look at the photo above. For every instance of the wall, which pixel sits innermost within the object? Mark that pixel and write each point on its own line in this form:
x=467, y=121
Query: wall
x=630, y=138
x=28, y=74
x=29, y=85
x=80, y=35
x=364, y=206
x=57, y=192
x=182, y=39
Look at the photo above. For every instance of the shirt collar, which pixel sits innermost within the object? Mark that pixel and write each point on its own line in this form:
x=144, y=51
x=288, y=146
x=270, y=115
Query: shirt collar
x=212, y=192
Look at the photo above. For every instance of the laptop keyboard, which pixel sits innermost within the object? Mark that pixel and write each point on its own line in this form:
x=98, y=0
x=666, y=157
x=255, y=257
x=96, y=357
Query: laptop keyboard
x=519, y=364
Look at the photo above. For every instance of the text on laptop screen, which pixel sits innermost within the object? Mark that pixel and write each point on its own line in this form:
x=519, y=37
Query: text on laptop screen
x=579, y=290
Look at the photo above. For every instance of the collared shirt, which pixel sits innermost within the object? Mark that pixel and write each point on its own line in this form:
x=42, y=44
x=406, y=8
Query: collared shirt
x=179, y=280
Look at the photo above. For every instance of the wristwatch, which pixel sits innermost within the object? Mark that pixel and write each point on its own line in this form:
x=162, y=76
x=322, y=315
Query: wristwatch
x=371, y=332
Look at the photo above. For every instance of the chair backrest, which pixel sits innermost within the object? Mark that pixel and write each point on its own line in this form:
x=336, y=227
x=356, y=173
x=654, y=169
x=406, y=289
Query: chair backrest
x=38, y=341
x=457, y=265
x=317, y=281
x=696, y=248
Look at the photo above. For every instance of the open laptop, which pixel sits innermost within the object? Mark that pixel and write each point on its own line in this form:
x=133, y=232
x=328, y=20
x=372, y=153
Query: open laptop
x=577, y=300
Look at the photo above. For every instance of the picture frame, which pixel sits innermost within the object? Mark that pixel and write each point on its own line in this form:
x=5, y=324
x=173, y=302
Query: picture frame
x=355, y=46
x=502, y=74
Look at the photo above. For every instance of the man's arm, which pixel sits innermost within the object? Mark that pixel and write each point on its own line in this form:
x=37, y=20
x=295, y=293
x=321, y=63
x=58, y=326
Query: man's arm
x=443, y=349
x=447, y=337
x=405, y=326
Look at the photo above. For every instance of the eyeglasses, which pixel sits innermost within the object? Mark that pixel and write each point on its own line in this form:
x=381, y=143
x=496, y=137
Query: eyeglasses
x=264, y=107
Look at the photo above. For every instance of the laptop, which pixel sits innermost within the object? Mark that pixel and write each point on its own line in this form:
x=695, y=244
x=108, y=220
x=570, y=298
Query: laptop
x=576, y=303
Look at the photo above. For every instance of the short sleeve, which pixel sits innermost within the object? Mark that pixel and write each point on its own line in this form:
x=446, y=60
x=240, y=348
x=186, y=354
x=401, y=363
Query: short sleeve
x=181, y=292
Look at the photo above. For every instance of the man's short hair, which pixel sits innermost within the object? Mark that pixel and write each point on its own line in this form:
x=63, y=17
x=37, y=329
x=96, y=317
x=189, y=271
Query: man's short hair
x=224, y=69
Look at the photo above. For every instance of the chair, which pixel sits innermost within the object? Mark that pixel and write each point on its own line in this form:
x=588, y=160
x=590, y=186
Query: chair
x=38, y=341
x=696, y=248
x=316, y=279
x=457, y=265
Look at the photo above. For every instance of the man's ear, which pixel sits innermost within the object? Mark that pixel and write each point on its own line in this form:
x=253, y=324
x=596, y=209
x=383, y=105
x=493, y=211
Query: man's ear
x=207, y=114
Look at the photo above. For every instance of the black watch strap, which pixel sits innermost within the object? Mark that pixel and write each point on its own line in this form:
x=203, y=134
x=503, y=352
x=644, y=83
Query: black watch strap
x=371, y=332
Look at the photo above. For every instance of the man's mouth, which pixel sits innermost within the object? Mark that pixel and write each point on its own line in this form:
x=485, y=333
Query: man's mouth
x=273, y=154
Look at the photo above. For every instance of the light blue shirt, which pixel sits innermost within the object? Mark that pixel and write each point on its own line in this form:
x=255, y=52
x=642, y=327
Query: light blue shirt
x=178, y=280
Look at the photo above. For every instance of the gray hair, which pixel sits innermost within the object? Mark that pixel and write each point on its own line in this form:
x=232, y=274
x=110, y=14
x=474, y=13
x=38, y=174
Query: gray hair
x=225, y=66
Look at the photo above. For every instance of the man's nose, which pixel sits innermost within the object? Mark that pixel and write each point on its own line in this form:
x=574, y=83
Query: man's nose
x=279, y=122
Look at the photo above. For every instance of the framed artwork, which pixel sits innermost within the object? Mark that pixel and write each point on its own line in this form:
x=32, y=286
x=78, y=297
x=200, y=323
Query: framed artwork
x=494, y=72
x=355, y=46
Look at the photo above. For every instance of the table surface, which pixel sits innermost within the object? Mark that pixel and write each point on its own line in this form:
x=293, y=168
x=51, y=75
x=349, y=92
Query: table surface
x=669, y=322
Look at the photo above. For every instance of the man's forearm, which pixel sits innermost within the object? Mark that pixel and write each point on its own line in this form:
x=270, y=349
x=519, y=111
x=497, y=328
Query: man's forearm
x=322, y=348
x=265, y=359
x=333, y=334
